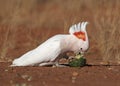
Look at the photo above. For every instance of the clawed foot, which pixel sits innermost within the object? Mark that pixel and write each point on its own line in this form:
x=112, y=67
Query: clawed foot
x=53, y=64
x=59, y=65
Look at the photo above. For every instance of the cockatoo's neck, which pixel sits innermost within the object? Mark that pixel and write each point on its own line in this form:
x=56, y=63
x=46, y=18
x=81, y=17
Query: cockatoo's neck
x=70, y=43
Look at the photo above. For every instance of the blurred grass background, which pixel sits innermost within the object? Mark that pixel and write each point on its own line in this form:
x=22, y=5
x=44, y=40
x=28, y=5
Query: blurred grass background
x=24, y=24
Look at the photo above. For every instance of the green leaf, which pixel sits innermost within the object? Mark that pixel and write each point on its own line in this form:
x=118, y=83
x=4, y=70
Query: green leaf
x=78, y=62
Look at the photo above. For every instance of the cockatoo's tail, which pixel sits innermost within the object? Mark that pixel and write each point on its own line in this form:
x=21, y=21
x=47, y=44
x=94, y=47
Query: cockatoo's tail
x=80, y=35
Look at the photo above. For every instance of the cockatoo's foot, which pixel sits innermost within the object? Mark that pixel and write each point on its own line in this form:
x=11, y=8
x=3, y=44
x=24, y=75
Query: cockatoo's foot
x=53, y=64
x=59, y=65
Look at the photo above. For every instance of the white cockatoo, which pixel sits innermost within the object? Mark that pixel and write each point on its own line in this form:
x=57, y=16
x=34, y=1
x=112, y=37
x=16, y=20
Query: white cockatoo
x=49, y=51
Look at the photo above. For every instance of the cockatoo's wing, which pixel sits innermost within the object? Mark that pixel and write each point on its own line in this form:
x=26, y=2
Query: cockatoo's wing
x=48, y=51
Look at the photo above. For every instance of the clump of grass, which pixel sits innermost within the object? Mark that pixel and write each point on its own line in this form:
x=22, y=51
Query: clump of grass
x=108, y=30
x=4, y=46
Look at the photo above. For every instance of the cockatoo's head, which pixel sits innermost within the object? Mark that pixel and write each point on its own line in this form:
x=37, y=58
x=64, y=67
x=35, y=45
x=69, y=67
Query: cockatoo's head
x=79, y=31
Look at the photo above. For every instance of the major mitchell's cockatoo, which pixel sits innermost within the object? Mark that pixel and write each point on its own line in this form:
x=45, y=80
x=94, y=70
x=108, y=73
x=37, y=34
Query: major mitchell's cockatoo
x=49, y=51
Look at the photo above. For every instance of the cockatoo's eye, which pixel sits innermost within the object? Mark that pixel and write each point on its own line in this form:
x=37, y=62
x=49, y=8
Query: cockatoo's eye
x=80, y=49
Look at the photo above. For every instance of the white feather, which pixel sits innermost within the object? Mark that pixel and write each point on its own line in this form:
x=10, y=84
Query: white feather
x=78, y=27
x=71, y=30
x=83, y=26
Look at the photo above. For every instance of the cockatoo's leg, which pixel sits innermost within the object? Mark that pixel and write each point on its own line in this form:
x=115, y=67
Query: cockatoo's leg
x=54, y=63
x=47, y=64
x=58, y=65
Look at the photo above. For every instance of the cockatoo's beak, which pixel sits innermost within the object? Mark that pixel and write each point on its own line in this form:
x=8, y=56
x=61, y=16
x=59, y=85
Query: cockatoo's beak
x=81, y=51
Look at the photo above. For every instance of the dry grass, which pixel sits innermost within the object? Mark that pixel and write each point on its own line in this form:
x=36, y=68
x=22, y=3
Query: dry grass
x=38, y=19
x=108, y=31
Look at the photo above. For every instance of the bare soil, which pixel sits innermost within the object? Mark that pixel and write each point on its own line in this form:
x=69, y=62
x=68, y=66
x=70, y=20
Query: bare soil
x=92, y=75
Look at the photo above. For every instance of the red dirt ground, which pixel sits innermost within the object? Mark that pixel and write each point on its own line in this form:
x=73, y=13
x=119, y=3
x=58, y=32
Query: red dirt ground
x=63, y=76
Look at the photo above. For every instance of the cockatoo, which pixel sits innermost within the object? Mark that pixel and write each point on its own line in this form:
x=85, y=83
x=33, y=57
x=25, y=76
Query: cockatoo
x=49, y=51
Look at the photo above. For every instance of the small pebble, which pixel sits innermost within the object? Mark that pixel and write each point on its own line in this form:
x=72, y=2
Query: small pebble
x=75, y=74
x=24, y=76
x=110, y=68
x=6, y=70
x=73, y=79
x=29, y=79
